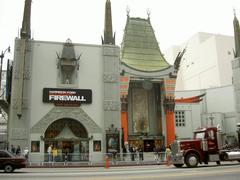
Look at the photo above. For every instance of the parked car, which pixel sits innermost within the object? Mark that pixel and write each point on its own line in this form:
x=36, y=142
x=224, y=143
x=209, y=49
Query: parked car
x=9, y=162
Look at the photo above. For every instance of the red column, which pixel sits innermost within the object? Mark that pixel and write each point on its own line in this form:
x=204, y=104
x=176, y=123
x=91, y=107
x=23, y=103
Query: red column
x=124, y=122
x=170, y=131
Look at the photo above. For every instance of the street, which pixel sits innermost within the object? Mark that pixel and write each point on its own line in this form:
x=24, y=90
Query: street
x=229, y=171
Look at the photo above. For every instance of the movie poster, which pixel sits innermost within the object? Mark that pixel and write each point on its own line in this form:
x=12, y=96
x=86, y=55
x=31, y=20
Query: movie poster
x=112, y=143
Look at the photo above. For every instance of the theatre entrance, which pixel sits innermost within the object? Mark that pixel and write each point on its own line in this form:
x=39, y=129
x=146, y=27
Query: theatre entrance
x=149, y=145
x=69, y=140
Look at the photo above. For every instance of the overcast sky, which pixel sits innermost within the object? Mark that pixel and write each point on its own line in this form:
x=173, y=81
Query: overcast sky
x=174, y=21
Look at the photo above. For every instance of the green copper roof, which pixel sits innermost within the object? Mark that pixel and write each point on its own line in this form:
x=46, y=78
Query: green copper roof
x=139, y=49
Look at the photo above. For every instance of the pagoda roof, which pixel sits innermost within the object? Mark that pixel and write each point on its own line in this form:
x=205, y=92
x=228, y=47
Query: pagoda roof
x=139, y=49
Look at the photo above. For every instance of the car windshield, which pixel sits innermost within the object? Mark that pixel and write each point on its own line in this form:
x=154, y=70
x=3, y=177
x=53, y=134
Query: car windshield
x=11, y=154
x=199, y=135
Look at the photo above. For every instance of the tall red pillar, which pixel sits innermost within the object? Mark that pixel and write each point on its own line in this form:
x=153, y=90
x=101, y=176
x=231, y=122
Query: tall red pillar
x=170, y=127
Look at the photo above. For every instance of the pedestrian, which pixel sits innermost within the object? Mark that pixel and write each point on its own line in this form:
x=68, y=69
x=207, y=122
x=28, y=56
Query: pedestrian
x=124, y=152
x=18, y=151
x=54, y=153
x=140, y=151
x=49, y=151
x=168, y=156
x=26, y=152
x=156, y=154
x=132, y=152
x=162, y=152
x=13, y=150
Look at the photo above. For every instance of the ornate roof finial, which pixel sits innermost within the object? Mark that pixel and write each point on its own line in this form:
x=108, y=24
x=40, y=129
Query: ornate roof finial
x=128, y=10
x=148, y=13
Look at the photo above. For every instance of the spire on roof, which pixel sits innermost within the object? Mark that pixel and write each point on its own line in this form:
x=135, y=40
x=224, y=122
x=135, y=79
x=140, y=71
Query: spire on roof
x=148, y=13
x=108, y=34
x=26, y=29
x=236, y=35
x=128, y=10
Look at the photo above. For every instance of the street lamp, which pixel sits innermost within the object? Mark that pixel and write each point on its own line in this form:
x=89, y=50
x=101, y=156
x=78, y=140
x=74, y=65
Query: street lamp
x=211, y=119
x=2, y=56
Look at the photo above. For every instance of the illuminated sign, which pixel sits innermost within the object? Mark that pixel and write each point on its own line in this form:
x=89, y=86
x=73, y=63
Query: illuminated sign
x=67, y=96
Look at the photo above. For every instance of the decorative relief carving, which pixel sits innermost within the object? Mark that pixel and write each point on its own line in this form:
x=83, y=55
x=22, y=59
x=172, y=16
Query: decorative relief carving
x=110, y=77
x=24, y=103
x=19, y=133
x=111, y=105
x=25, y=76
x=27, y=73
x=110, y=51
x=16, y=74
x=63, y=112
x=14, y=103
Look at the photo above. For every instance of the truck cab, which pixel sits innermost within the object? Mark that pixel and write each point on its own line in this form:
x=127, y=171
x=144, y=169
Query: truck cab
x=206, y=146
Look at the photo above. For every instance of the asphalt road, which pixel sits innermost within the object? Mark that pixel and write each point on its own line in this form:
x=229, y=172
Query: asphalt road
x=229, y=171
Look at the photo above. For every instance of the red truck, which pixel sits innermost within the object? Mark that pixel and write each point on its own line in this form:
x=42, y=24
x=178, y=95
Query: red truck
x=208, y=145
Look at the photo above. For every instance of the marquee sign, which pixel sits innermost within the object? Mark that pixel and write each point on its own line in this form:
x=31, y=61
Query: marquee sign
x=67, y=96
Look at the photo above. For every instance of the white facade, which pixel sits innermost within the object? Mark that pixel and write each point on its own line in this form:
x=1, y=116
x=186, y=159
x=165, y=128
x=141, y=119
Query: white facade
x=206, y=63
x=216, y=108
x=97, y=71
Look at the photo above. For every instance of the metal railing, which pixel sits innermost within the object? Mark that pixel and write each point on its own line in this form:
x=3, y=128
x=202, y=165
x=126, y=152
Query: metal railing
x=95, y=159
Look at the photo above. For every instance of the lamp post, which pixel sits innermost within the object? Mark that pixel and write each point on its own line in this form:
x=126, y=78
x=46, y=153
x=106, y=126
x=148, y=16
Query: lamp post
x=211, y=119
x=2, y=56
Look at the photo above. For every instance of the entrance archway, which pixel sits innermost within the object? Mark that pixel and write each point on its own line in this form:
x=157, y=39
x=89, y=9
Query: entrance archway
x=69, y=140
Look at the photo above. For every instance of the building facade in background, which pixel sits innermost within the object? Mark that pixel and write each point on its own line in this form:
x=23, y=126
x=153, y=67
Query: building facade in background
x=206, y=63
x=216, y=107
x=219, y=106
x=3, y=114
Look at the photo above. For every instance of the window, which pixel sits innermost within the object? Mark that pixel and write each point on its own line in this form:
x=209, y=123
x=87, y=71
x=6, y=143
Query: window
x=211, y=134
x=200, y=135
x=179, y=118
x=35, y=146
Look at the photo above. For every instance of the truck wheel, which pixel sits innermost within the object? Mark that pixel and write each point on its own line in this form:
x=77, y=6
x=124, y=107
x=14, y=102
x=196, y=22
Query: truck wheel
x=191, y=160
x=178, y=165
x=8, y=168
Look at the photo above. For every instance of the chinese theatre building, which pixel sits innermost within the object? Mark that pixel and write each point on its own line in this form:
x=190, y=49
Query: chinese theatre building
x=147, y=87
x=65, y=95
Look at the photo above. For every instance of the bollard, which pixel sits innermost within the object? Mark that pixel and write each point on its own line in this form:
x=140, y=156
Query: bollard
x=106, y=162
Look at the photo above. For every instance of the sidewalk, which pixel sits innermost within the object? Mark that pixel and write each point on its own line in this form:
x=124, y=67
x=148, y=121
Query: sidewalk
x=111, y=164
